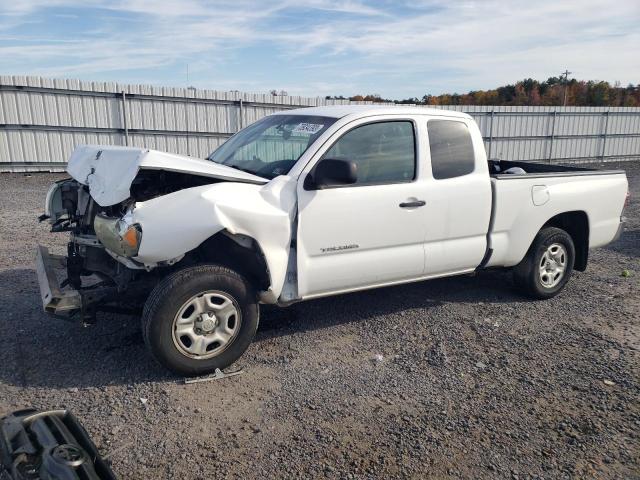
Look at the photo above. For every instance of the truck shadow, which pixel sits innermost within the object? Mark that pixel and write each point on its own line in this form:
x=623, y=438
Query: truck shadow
x=39, y=351
x=486, y=287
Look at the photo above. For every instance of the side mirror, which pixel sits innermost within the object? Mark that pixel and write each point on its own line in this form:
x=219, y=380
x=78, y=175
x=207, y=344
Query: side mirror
x=331, y=172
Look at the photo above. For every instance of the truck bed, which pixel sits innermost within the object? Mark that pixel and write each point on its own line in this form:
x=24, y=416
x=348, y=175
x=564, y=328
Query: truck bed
x=497, y=169
x=524, y=202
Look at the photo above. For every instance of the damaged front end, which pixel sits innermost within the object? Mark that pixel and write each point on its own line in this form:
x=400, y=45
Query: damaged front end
x=98, y=271
x=102, y=270
x=135, y=215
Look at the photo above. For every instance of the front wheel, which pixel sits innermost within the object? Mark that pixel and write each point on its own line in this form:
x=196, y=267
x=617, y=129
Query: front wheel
x=199, y=319
x=546, y=268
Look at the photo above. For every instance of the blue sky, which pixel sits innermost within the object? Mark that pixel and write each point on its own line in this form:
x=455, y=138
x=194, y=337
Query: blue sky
x=396, y=49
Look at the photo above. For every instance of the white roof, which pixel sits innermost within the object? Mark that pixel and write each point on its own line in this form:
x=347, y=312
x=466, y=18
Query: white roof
x=339, y=111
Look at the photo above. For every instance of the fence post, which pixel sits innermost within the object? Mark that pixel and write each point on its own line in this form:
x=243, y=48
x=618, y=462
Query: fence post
x=124, y=118
x=240, y=115
x=491, y=135
x=553, y=134
x=604, y=135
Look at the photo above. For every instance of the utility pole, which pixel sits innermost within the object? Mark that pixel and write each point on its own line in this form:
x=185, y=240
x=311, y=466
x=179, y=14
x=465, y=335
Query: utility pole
x=566, y=74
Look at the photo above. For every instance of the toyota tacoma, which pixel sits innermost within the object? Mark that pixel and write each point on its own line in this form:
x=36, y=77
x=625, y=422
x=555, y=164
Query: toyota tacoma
x=304, y=204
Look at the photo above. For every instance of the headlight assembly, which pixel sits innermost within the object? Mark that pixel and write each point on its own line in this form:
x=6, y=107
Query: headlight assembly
x=118, y=235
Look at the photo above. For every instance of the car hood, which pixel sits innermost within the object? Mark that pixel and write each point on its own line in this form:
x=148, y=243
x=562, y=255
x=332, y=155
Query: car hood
x=108, y=171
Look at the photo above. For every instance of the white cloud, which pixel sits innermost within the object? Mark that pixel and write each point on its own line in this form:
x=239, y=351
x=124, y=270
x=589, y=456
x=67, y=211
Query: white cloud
x=333, y=46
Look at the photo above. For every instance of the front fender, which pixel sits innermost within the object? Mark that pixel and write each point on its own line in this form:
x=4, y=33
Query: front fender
x=175, y=224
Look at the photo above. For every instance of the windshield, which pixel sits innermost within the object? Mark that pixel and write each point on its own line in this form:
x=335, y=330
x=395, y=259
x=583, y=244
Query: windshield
x=271, y=146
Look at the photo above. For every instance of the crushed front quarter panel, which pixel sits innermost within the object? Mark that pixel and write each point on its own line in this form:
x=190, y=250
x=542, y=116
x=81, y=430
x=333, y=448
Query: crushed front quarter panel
x=175, y=224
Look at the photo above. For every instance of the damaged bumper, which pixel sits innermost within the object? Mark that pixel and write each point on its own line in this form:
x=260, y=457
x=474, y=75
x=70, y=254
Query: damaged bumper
x=55, y=299
x=63, y=300
x=82, y=290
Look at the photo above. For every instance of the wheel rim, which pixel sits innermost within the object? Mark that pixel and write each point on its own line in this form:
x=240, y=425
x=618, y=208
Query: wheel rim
x=206, y=325
x=553, y=265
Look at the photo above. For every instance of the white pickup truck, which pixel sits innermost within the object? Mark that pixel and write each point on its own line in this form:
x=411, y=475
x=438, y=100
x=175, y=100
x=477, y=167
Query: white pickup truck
x=304, y=204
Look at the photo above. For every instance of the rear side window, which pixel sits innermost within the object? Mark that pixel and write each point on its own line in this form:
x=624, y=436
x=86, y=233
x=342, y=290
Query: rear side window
x=451, y=149
x=384, y=152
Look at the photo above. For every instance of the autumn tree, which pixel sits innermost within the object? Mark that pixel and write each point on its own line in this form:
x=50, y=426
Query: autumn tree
x=531, y=92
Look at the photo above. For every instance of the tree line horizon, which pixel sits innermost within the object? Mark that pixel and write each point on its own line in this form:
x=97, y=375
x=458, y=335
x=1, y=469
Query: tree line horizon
x=551, y=92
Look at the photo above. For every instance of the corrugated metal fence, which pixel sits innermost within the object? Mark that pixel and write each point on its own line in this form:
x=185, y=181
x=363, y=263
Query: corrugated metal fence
x=558, y=134
x=41, y=121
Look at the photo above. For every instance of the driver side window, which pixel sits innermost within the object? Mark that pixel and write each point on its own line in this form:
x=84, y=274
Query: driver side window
x=384, y=152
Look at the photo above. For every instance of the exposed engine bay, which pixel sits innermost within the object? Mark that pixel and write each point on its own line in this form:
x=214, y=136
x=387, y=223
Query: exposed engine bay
x=70, y=201
x=149, y=184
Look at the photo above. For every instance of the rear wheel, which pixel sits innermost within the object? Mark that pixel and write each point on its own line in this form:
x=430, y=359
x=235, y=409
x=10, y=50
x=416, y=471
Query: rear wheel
x=199, y=319
x=546, y=268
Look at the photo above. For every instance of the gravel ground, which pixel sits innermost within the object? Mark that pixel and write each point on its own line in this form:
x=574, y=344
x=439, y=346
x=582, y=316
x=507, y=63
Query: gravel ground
x=453, y=378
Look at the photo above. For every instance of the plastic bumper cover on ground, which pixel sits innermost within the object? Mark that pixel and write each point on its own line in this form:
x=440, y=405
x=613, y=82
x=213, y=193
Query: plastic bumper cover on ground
x=48, y=445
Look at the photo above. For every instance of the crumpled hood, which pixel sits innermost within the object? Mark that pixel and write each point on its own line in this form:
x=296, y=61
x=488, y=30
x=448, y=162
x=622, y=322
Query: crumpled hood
x=108, y=171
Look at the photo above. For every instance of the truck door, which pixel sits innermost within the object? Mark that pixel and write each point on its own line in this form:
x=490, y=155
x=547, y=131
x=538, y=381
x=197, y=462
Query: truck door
x=458, y=199
x=371, y=232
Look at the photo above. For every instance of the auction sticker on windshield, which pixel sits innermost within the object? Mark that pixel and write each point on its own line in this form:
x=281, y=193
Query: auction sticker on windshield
x=311, y=128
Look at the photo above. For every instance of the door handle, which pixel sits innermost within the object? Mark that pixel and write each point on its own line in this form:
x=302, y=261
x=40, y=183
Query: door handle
x=413, y=204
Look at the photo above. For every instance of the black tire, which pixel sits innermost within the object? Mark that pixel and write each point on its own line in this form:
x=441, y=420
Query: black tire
x=170, y=296
x=527, y=274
